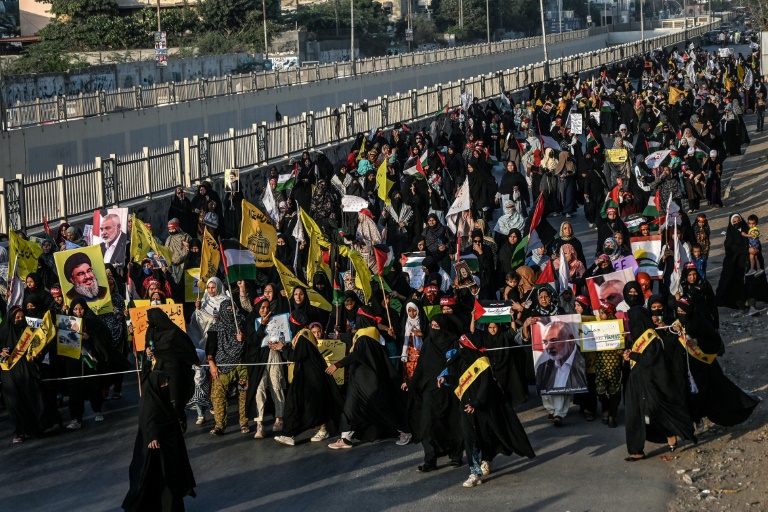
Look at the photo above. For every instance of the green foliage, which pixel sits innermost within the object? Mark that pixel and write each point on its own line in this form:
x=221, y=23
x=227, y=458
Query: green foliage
x=44, y=57
x=73, y=9
x=99, y=32
x=226, y=16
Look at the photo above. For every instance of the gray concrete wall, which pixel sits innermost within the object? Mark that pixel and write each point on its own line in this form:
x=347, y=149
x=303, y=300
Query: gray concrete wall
x=41, y=148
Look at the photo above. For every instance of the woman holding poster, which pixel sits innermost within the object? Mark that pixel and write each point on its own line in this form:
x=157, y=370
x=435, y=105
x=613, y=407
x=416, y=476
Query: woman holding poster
x=608, y=366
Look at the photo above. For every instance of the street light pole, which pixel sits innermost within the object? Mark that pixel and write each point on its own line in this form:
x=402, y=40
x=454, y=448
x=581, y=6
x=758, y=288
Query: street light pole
x=642, y=25
x=352, y=34
x=544, y=35
x=158, y=15
x=3, y=126
x=488, y=22
x=266, y=44
x=685, y=20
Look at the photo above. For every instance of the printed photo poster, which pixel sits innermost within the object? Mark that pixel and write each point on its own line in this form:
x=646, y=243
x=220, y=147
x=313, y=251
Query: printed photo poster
x=82, y=274
x=231, y=179
x=110, y=232
x=34, y=323
x=333, y=351
x=647, y=250
x=463, y=274
x=560, y=365
x=192, y=288
x=278, y=330
x=603, y=335
x=140, y=321
x=69, y=339
x=609, y=287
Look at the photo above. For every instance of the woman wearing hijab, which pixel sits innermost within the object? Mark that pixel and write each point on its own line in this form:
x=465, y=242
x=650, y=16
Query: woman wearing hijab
x=436, y=238
x=439, y=421
x=655, y=406
x=313, y=400
x=373, y=407
x=399, y=219
x=278, y=304
x=181, y=208
x=22, y=388
x=508, y=259
x=160, y=473
x=324, y=205
x=566, y=236
x=266, y=368
x=61, y=234
x=346, y=313
x=207, y=310
x=513, y=186
x=414, y=328
x=174, y=353
x=731, y=290
x=576, y=268
x=299, y=301
x=115, y=323
x=46, y=266
x=98, y=356
x=224, y=349
x=507, y=359
x=700, y=292
x=608, y=373
x=710, y=393
x=479, y=191
x=511, y=220
x=488, y=422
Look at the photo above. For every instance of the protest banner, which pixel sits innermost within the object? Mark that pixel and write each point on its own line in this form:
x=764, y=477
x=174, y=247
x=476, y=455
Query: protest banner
x=604, y=335
x=140, y=322
x=278, y=330
x=333, y=351
x=82, y=274
x=555, y=340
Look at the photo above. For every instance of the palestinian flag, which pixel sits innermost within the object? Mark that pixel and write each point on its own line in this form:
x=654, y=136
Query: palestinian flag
x=540, y=232
x=611, y=201
x=444, y=110
x=653, y=208
x=591, y=139
x=518, y=257
x=384, y=258
x=547, y=275
x=415, y=166
x=606, y=106
x=488, y=311
x=412, y=259
x=239, y=262
x=472, y=262
x=286, y=181
x=338, y=293
x=701, y=150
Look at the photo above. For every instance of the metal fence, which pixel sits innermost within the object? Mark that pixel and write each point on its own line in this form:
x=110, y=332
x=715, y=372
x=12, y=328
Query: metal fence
x=68, y=192
x=62, y=108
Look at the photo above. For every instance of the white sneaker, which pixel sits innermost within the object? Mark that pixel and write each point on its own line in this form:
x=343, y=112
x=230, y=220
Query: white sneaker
x=340, y=445
x=485, y=467
x=200, y=420
x=320, y=435
x=759, y=272
x=405, y=438
x=591, y=225
x=750, y=272
x=74, y=425
x=473, y=481
x=99, y=417
x=752, y=311
x=287, y=441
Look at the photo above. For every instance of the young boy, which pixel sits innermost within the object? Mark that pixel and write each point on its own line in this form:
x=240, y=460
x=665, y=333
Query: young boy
x=753, y=236
x=700, y=260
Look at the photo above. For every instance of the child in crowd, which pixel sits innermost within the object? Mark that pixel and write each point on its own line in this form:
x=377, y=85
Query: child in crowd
x=700, y=260
x=753, y=236
x=201, y=400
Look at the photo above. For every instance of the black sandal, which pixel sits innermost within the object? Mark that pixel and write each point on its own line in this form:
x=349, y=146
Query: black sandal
x=632, y=458
x=672, y=447
x=217, y=432
x=426, y=468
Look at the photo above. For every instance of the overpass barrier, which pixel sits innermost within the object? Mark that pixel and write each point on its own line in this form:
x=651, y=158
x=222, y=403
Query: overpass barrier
x=129, y=180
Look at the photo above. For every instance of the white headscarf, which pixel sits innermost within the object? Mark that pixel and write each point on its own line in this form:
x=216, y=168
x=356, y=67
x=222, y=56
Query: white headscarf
x=209, y=304
x=510, y=220
x=411, y=324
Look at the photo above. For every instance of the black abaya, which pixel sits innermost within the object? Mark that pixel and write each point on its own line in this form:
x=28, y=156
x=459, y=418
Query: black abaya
x=730, y=289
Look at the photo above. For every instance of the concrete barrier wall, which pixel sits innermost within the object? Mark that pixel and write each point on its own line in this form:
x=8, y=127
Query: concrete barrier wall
x=41, y=148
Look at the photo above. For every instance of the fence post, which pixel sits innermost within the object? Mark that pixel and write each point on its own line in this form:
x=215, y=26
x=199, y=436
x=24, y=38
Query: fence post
x=38, y=110
x=287, y=138
x=261, y=142
x=317, y=72
x=384, y=111
x=100, y=183
x=440, y=103
x=482, y=86
x=232, y=148
x=110, y=180
x=61, y=108
x=147, y=177
x=414, y=103
x=187, y=176
x=200, y=88
x=139, y=97
x=14, y=203
x=254, y=82
x=203, y=156
x=178, y=160
x=62, y=188
x=350, y=120
x=171, y=92
x=309, y=119
x=102, y=102
x=229, y=84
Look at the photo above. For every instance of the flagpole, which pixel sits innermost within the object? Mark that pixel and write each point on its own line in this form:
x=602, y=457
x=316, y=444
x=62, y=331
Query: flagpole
x=386, y=301
x=136, y=360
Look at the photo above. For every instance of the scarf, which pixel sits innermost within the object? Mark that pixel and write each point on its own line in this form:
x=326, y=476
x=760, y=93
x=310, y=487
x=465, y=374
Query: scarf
x=412, y=324
x=510, y=220
x=209, y=304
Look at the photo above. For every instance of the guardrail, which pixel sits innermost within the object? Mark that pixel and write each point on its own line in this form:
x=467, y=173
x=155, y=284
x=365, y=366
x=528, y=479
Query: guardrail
x=62, y=108
x=68, y=192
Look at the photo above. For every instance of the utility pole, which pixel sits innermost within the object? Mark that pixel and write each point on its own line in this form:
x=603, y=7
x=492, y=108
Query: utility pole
x=685, y=19
x=461, y=13
x=3, y=124
x=266, y=43
x=560, y=18
x=352, y=34
x=158, y=16
x=410, y=25
x=336, y=11
x=544, y=36
x=642, y=25
x=488, y=22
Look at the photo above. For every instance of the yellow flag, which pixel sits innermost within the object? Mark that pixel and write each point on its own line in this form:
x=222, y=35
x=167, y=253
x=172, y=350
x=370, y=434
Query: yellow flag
x=384, y=185
x=192, y=283
x=25, y=341
x=362, y=150
x=258, y=235
x=209, y=258
x=142, y=242
x=362, y=272
x=290, y=282
x=43, y=336
x=315, y=254
x=674, y=94
x=27, y=253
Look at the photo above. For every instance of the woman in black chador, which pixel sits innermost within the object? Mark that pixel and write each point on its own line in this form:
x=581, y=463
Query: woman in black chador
x=160, y=473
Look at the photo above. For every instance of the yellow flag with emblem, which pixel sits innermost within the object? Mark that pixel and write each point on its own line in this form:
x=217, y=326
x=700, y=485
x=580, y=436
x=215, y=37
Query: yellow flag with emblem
x=142, y=242
x=26, y=252
x=209, y=258
x=384, y=185
x=290, y=282
x=674, y=94
x=258, y=234
x=362, y=272
x=43, y=336
x=315, y=253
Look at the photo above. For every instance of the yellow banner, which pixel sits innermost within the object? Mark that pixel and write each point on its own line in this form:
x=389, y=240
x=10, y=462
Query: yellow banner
x=142, y=242
x=43, y=336
x=69, y=342
x=333, y=351
x=694, y=351
x=674, y=94
x=25, y=341
x=362, y=272
x=290, y=282
x=140, y=322
x=384, y=185
x=209, y=257
x=312, y=229
x=616, y=156
x=82, y=274
x=27, y=253
x=642, y=343
x=315, y=254
x=258, y=235
x=192, y=288
x=471, y=375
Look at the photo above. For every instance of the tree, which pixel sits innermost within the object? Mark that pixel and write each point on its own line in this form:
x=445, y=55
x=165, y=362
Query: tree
x=44, y=57
x=226, y=16
x=74, y=9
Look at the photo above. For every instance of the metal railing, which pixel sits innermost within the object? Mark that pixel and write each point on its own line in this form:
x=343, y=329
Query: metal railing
x=63, y=108
x=68, y=192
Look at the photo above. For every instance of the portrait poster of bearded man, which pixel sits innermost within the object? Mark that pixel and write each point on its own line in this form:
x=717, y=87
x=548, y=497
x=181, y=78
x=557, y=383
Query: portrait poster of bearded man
x=82, y=274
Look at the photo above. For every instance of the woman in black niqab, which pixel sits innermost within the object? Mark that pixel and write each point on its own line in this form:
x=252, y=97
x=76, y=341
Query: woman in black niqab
x=160, y=473
x=174, y=354
x=731, y=288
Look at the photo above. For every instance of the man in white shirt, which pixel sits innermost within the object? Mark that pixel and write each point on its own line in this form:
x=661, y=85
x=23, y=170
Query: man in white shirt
x=113, y=240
